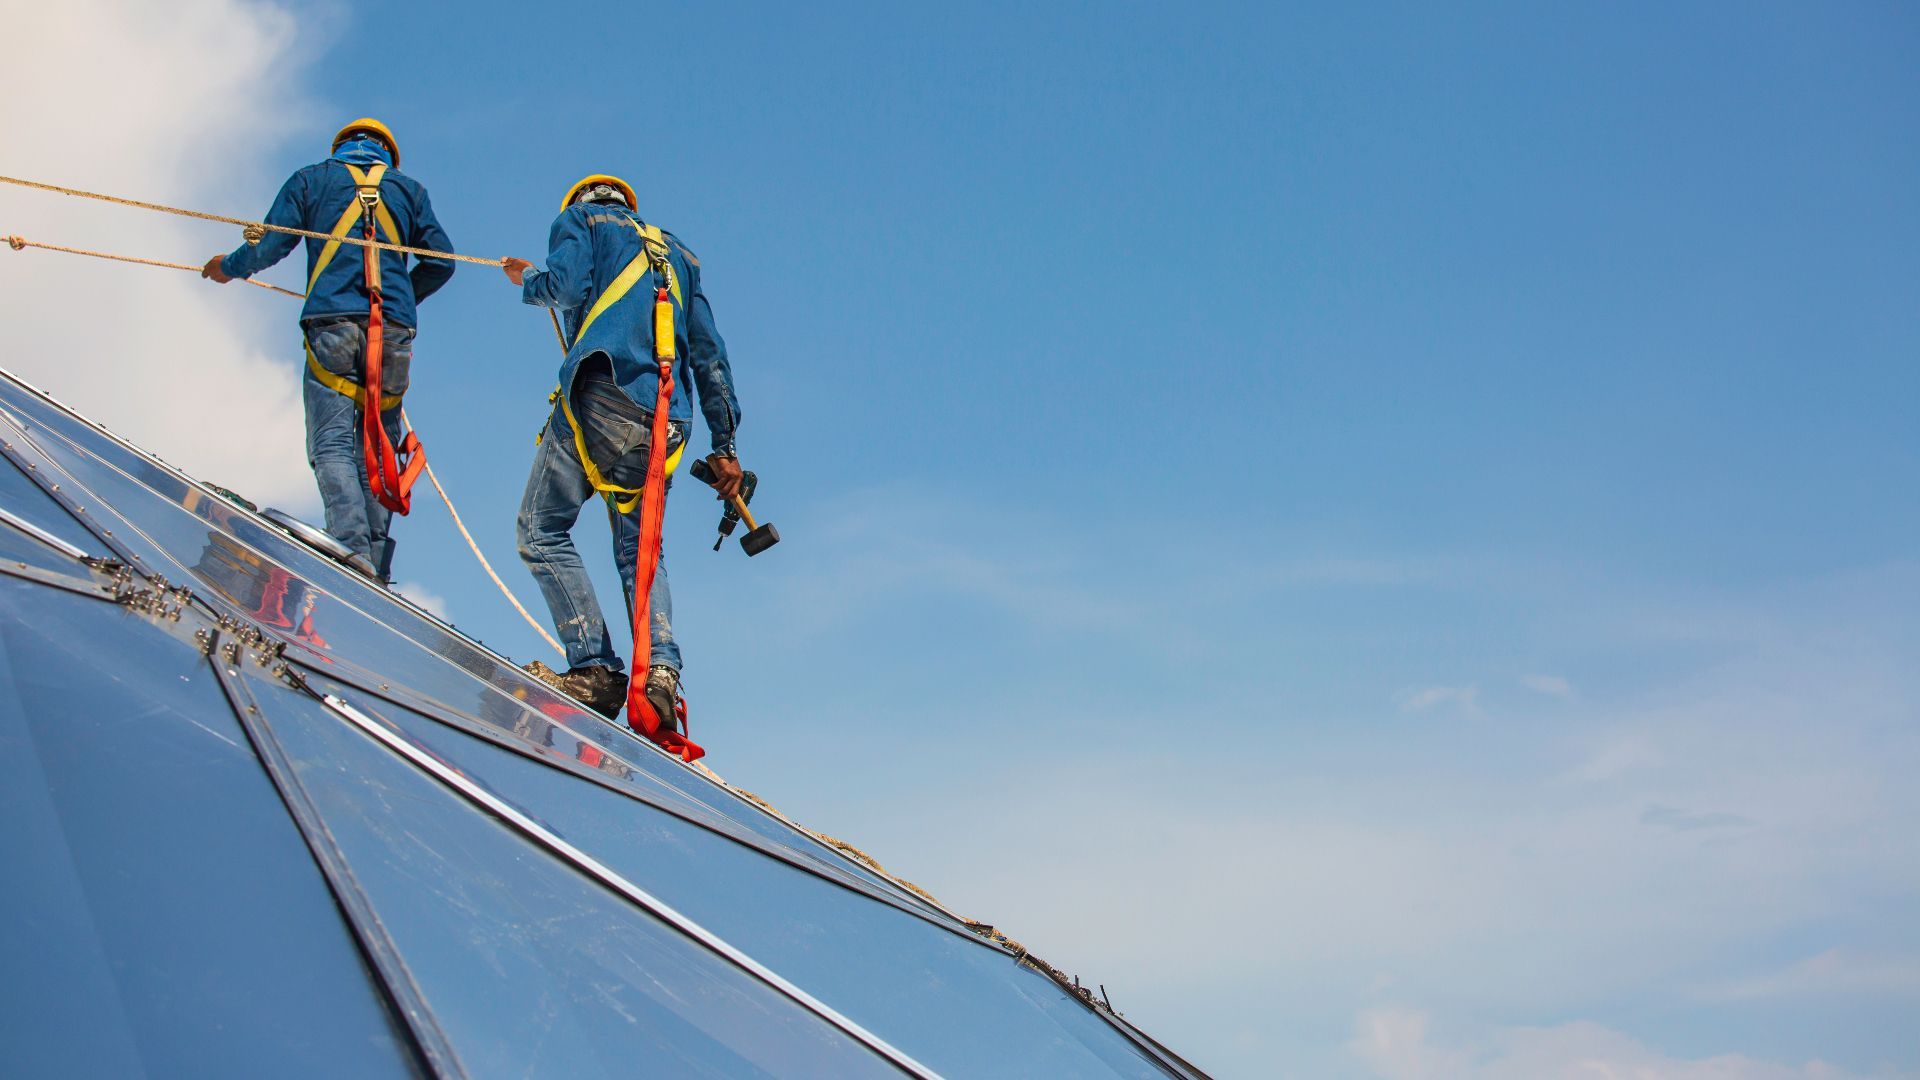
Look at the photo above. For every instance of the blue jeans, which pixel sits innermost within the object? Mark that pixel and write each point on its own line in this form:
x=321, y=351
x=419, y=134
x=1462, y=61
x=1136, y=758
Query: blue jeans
x=618, y=435
x=354, y=516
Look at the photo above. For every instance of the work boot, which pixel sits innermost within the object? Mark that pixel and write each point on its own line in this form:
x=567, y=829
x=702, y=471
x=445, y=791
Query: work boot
x=663, y=693
x=598, y=687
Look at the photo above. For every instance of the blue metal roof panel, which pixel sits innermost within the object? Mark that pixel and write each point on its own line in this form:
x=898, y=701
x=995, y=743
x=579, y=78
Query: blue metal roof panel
x=160, y=915
x=519, y=875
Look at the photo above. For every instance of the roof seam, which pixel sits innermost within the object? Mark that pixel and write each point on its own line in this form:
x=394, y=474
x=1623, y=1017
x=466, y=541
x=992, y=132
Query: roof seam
x=216, y=610
x=750, y=840
x=430, y=1039
x=612, y=879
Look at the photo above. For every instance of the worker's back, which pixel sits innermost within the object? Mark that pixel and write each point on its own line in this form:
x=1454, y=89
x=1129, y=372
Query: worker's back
x=314, y=198
x=596, y=250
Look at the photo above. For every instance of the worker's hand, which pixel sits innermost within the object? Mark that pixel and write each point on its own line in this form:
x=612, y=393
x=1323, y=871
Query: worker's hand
x=517, y=270
x=726, y=475
x=213, y=273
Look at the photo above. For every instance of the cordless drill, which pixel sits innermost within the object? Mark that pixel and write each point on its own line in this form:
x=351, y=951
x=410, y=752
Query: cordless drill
x=759, y=537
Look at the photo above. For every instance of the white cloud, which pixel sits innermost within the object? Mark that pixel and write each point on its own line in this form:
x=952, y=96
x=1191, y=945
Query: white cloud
x=1675, y=819
x=1466, y=698
x=1835, y=971
x=1397, y=1044
x=167, y=103
x=1464, y=883
x=1550, y=685
x=1619, y=753
x=1348, y=571
x=880, y=545
x=1679, y=830
x=424, y=597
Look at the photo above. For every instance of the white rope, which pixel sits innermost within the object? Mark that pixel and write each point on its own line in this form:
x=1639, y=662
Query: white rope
x=20, y=243
x=484, y=564
x=253, y=230
x=17, y=243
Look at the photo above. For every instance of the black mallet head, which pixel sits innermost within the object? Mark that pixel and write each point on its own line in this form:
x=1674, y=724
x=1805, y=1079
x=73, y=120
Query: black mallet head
x=760, y=539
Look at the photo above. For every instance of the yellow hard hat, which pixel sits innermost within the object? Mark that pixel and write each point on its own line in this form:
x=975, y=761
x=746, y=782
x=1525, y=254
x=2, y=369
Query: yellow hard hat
x=367, y=125
x=633, y=201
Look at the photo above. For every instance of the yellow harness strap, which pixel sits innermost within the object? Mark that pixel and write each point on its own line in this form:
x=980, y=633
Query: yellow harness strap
x=367, y=189
x=612, y=492
x=367, y=184
x=653, y=249
x=346, y=387
x=653, y=245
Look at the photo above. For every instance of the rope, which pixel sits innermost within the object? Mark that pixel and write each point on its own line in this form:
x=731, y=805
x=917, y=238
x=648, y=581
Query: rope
x=252, y=227
x=19, y=243
x=484, y=564
x=986, y=930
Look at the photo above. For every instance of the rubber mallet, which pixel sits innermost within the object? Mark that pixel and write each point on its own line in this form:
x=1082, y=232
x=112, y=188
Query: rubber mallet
x=759, y=537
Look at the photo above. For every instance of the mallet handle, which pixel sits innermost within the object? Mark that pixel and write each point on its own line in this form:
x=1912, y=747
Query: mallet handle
x=746, y=515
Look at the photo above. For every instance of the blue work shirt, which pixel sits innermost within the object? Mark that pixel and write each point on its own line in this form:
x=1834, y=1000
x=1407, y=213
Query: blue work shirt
x=590, y=244
x=313, y=199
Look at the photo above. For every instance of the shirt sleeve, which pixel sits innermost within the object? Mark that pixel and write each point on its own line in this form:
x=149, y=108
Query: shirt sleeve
x=712, y=374
x=430, y=272
x=289, y=210
x=568, y=278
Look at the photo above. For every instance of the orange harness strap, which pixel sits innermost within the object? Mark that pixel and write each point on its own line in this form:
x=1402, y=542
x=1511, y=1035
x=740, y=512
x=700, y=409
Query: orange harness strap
x=653, y=506
x=390, y=474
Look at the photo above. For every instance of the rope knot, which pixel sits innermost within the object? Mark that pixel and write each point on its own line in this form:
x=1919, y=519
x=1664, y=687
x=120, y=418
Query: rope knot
x=16, y=243
x=254, y=233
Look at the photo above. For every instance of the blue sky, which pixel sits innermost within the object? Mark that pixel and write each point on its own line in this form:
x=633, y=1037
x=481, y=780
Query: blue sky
x=1386, y=536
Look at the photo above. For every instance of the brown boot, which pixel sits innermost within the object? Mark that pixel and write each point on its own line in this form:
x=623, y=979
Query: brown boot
x=663, y=693
x=596, y=686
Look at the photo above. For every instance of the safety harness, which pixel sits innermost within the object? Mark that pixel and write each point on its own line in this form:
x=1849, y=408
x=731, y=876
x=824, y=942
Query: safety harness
x=651, y=497
x=390, y=473
x=653, y=244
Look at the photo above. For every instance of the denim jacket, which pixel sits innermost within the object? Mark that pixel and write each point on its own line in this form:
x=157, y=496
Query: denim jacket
x=590, y=244
x=314, y=199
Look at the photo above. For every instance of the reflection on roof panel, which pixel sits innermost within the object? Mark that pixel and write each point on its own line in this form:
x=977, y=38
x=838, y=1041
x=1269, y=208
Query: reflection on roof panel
x=264, y=818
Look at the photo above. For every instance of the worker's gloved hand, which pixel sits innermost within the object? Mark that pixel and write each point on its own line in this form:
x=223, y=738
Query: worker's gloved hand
x=212, y=271
x=516, y=270
x=726, y=475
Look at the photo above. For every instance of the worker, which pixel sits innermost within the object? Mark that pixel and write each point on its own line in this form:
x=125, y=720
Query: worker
x=331, y=197
x=604, y=270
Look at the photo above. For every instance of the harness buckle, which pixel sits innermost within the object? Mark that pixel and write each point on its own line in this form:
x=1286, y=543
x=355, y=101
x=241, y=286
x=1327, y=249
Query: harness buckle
x=369, y=197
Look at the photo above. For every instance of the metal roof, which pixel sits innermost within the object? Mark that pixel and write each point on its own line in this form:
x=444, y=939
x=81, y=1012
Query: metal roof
x=265, y=817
